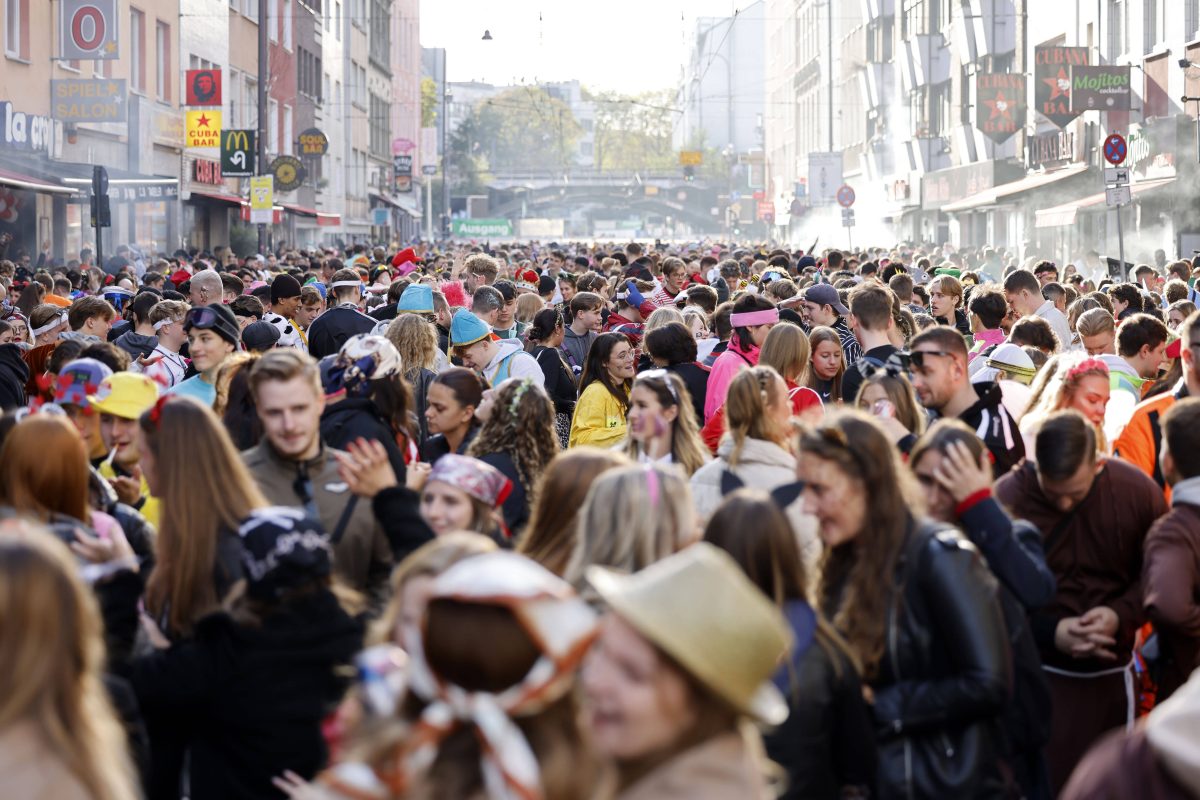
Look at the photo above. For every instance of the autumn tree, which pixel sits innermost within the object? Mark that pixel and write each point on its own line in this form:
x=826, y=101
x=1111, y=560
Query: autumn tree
x=633, y=132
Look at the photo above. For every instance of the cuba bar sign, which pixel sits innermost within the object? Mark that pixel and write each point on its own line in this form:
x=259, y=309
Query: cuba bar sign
x=999, y=104
x=1052, y=81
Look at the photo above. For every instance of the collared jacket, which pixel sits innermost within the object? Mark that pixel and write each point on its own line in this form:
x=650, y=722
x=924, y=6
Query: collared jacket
x=995, y=426
x=362, y=555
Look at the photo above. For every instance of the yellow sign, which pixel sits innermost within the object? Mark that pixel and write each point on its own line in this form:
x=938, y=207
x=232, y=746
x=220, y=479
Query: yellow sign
x=691, y=158
x=204, y=128
x=262, y=199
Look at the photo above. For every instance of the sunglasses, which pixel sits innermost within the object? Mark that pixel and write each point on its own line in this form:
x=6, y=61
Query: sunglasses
x=201, y=317
x=918, y=357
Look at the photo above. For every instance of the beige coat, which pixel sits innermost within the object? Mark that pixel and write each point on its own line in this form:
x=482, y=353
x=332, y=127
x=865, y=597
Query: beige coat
x=762, y=465
x=722, y=768
x=31, y=771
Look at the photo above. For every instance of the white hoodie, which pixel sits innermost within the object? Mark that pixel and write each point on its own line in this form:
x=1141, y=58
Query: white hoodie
x=1172, y=730
x=521, y=365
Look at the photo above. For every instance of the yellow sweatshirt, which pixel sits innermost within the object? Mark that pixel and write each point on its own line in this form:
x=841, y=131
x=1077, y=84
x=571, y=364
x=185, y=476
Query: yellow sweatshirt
x=599, y=419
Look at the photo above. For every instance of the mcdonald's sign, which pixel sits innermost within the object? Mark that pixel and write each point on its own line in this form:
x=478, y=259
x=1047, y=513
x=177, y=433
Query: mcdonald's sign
x=237, y=153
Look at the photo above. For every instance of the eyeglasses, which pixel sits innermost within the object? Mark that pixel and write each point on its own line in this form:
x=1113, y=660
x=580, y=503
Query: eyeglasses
x=917, y=357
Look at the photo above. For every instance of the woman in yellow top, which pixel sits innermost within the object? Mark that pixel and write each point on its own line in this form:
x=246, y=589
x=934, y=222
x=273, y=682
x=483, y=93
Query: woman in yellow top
x=604, y=392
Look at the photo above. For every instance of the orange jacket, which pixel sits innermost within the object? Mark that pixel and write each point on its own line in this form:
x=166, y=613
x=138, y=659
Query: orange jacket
x=1139, y=441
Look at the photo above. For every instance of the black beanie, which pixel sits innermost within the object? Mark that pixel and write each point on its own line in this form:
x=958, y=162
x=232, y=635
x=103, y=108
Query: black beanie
x=283, y=287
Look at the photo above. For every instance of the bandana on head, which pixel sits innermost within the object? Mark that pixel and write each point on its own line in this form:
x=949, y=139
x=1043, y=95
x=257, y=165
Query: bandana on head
x=362, y=359
x=477, y=478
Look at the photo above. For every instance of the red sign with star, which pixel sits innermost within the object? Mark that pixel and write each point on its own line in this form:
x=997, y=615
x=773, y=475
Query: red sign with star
x=1052, y=81
x=1000, y=104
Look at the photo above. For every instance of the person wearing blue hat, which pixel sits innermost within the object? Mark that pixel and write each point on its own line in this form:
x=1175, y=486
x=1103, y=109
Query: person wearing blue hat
x=417, y=299
x=72, y=387
x=496, y=359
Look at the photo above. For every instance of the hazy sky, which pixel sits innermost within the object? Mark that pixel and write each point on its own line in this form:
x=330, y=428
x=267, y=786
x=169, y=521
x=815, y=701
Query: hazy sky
x=626, y=45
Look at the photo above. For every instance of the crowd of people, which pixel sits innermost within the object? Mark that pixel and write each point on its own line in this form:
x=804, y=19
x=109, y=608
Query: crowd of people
x=580, y=522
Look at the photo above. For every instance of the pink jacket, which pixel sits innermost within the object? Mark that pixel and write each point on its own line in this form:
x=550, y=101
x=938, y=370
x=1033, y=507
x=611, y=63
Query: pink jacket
x=727, y=365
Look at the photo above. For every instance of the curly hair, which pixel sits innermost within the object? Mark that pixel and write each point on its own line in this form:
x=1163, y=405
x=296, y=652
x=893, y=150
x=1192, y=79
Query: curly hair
x=521, y=425
x=415, y=340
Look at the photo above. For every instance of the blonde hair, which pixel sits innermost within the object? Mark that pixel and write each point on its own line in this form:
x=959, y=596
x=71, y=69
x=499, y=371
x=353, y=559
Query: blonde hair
x=786, y=350
x=1094, y=321
x=51, y=659
x=527, y=306
x=632, y=517
x=415, y=341
x=664, y=316
x=1054, y=388
x=746, y=414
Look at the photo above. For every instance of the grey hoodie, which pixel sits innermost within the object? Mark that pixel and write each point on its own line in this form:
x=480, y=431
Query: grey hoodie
x=576, y=348
x=136, y=344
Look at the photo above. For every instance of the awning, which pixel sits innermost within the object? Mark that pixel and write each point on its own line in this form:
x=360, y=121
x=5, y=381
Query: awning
x=384, y=198
x=123, y=185
x=18, y=180
x=299, y=210
x=1063, y=215
x=328, y=220
x=993, y=195
x=219, y=197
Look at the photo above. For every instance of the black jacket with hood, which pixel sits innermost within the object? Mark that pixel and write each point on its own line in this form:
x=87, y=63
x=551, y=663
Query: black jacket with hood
x=352, y=418
x=14, y=374
x=250, y=699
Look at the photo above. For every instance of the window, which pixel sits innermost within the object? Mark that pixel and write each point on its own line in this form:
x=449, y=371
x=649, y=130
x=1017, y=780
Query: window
x=286, y=145
x=379, y=34
x=250, y=9
x=1149, y=25
x=287, y=24
x=16, y=28
x=325, y=94
x=380, y=125
x=327, y=9
x=1191, y=20
x=337, y=20
x=1116, y=30
x=137, y=50
x=273, y=20
x=273, y=126
x=162, y=54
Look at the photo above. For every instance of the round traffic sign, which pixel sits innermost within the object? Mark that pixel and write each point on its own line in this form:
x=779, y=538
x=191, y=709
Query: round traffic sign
x=845, y=196
x=1115, y=149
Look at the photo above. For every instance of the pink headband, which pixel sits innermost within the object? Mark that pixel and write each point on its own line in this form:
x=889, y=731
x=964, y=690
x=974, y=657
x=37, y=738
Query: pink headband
x=1087, y=365
x=749, y=319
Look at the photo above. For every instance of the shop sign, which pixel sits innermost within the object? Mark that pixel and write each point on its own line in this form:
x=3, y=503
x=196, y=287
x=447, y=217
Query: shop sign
x=402, y=172
x=87, y=30
x=203, y=128
x=1051, y=148
x=289, y=173
x=1052, y=81
x=21, y=131
x=203, y=87
x=948, y=185
x=999, y=104
x=207, y=172
x=1100, y=89
x=313, y=142
x=88, y=100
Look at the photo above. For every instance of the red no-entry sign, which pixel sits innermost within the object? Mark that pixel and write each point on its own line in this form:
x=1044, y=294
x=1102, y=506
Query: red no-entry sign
x=845, y=196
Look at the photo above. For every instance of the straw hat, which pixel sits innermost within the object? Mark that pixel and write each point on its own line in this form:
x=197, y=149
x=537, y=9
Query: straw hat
x=700, y=608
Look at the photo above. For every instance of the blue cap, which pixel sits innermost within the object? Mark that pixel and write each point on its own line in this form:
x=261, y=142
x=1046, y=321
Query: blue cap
x=467, y=329
x=417, y=299
x=321, y=288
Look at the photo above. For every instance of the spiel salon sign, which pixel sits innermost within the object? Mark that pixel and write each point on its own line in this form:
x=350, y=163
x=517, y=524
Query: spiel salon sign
x=21, y=131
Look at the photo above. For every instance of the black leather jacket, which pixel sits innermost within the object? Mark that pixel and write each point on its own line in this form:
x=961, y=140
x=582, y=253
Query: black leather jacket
x=946, y=673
